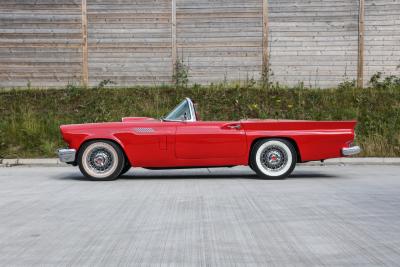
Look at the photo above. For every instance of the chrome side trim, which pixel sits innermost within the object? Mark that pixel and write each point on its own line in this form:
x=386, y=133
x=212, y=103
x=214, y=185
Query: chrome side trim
x=144, y=130
x=348, y=151
x=66, y=155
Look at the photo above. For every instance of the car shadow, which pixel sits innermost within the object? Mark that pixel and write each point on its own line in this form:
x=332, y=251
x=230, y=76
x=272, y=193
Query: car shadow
x=304, y=175
x=189, y=176
x=131, y=175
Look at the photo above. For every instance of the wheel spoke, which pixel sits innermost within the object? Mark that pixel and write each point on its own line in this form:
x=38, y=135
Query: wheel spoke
x=274, y=158
x=100, y=160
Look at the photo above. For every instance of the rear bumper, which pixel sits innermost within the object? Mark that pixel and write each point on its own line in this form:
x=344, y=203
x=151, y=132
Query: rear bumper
x=348, y=151
x=67, y=155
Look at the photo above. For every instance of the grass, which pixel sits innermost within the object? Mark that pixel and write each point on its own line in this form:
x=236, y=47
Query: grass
x=29, y=119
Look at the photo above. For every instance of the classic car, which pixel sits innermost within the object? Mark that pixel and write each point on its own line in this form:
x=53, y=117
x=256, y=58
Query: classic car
x=104, y=151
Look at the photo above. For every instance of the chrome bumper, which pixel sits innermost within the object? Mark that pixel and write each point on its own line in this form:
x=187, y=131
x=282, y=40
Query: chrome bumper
x=348, y=151
x=66, y=155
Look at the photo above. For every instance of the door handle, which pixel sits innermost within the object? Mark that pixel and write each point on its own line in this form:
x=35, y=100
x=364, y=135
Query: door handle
x=234, y=126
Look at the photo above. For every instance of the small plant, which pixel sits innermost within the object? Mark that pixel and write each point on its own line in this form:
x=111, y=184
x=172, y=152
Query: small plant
x=375, y=78
x=250, y=82
x=73, y=90
x=104, y=83
x=267, y=73
x=266, y=76
x=347, y=85
x=181, y=75
x=389, y=82
x=72, y=87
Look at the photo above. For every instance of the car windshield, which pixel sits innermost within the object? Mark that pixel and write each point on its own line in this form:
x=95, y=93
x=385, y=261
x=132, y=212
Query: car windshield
x=180, y=113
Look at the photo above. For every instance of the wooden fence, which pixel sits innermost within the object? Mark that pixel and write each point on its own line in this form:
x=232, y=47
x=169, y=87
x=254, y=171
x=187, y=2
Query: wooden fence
x=321, y=43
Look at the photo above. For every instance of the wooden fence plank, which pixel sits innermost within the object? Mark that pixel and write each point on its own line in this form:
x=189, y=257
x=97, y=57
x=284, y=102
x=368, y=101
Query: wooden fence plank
x=173, y=37
x=360, y=63
x=265, y=66
x=85, y=71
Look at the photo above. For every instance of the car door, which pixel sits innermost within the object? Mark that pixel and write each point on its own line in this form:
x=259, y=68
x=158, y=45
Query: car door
x=200, y=140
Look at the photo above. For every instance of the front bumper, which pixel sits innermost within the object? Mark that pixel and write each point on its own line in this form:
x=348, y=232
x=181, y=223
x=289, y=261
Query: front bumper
x=353, y=150
x=67, y=155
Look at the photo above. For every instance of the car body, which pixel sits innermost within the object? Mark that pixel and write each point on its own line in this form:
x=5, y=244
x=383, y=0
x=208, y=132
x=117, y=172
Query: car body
x=181, y=140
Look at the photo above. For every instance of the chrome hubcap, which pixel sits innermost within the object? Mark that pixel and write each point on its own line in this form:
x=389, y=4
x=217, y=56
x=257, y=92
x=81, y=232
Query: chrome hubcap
x=274, y=158
x=100, y=160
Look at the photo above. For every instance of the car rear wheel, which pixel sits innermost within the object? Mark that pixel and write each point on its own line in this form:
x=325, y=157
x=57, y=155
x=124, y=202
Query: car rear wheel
x=273, y=158
x=101, y=160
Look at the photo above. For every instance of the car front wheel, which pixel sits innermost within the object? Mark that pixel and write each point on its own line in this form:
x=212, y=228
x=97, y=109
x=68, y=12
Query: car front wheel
x=273, y=158
x=101, y=160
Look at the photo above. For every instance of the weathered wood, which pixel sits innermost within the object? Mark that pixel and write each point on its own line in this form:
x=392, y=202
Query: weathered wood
x=360, y=63
x=265, y=60
x=42, y=42
x=308, y=37
x=130, y=38
x=222, y=38
x=173, y=37
x=382, y=38
x=85, y=71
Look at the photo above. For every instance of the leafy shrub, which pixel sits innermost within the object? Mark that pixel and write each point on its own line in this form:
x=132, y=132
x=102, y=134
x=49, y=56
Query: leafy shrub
x=30, y=119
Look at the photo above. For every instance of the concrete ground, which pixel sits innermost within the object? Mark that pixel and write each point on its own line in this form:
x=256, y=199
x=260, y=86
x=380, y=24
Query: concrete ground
x=321, y=215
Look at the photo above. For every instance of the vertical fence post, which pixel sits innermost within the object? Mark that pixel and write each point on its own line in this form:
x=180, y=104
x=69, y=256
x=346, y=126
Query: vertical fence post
x=173, y=38
x=85, y=72
x=360, y=63
x=265, y=53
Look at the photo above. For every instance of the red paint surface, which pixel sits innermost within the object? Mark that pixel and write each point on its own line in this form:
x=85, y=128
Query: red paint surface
x=190, y=144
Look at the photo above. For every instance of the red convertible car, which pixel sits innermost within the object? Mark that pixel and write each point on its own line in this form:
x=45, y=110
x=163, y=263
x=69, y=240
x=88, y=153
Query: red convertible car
x=271, y=148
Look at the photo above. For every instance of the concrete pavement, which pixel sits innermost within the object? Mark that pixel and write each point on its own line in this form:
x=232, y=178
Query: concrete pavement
x=321, y=215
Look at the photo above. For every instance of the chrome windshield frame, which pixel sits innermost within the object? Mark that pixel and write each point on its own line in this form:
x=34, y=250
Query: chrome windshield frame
x=191, y=110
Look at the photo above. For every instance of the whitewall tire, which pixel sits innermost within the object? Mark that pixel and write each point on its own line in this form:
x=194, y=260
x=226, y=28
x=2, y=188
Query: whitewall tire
x=101, y=160
x=273, y=158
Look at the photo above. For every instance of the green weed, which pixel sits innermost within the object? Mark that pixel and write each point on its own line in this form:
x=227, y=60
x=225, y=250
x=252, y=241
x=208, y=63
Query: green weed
x=30, y=119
